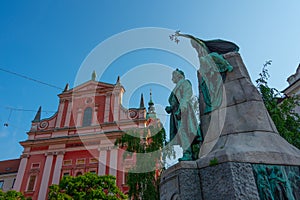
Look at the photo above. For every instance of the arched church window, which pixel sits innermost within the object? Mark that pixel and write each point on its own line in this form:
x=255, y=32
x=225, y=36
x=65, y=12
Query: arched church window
x=87, y=117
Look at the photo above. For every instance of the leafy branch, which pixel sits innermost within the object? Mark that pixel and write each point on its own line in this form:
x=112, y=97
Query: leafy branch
x=281, y=108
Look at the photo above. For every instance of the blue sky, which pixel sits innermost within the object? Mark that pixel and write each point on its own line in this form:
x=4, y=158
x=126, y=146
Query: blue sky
x=51, y=40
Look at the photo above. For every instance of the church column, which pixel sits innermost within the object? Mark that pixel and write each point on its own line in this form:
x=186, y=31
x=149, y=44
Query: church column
x=46, y=176
x=57, y=168
x=102, y=162
x=117, y=94
x=68, y=115
x=107, y=108
x=21, y=171
x=60, y=112
x=79, y=118
x=95, y=118
x=116, y=107
x=113, y=164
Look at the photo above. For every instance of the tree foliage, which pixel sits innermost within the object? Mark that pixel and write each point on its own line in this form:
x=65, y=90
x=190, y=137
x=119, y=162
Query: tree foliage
x=11, y=195
x=87, y=186
x=147, y=145
x=280, y=108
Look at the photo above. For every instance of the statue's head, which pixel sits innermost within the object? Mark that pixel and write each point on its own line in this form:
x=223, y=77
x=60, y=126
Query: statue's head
x=177, y=75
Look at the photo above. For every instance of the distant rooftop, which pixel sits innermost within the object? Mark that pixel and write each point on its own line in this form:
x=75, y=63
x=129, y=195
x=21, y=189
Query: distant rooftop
x=9, y=166
x=295, y=77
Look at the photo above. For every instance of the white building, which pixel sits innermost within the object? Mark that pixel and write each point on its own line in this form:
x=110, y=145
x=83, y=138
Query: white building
x=8, y=174
x=294, y=86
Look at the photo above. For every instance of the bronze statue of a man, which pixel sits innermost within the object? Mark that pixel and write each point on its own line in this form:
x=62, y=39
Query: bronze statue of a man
x=184, y=127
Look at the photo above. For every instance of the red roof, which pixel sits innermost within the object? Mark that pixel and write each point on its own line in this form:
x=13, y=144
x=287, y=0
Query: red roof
x=9, y=166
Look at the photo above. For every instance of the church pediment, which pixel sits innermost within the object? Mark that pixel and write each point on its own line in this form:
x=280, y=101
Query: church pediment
x=92, y=86
x=89, y=87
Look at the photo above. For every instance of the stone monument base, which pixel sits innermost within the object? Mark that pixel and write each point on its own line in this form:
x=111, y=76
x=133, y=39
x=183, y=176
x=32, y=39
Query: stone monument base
x=231, y=180
x=181, y=181
x=187, y=180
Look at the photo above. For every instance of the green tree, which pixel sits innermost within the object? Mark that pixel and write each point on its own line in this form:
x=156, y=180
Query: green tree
x=147, y=145
x=87, y=186
x=280, y=108
x=11, y=195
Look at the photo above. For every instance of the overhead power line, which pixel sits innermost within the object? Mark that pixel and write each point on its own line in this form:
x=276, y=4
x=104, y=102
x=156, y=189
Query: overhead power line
x=28, y=110
x=31, y=79
x=6, y=123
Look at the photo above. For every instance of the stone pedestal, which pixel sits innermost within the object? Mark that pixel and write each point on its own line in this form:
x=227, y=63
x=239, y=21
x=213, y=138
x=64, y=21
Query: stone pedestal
x=181, y=182
x=224, y=181
x=231, y=180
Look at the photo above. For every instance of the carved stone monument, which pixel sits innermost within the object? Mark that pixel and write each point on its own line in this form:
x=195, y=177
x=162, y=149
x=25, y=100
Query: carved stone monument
x=242, y=155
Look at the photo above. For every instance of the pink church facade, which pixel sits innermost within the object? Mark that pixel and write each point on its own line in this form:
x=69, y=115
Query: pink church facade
x=78, y=138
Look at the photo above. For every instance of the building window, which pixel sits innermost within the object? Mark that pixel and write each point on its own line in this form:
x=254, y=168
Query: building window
x=31, y=183
x=80, y=161
x=67, y=162
x=13, y=183
x=93, y=160
x=78, y=173
x=35, y=165
x=1, y=184
x=87, y=116
x=66, y=174
x=93, y=170
x=125, y=177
